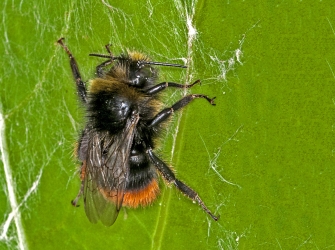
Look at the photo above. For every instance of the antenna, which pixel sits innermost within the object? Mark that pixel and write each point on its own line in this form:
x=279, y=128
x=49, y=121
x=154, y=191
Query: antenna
x=140, y=62
x=162, y=64
x=105, y=56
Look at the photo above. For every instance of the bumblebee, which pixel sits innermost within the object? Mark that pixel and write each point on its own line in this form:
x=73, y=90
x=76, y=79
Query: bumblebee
x=118, y=164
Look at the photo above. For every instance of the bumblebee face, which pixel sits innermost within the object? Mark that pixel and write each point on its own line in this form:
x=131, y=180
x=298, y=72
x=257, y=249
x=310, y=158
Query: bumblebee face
x=141, y=75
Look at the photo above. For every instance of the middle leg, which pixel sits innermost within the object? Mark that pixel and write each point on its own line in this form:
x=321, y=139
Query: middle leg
x=165, y=113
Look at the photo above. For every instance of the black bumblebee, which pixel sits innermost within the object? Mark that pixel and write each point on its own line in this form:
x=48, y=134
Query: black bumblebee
x=119, y=167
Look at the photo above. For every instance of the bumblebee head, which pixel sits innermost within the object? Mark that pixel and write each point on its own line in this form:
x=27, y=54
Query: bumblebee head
x=138, y=73
x=135, y=69
x=141, y=75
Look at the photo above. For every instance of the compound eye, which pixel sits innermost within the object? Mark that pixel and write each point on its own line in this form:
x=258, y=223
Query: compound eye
x=141, y=76
x=145, y=73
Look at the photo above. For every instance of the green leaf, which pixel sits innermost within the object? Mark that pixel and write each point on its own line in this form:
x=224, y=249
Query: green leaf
x=262, y=158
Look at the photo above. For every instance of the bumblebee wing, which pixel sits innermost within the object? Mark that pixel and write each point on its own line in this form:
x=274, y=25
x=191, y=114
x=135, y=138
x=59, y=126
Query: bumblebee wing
x=106, y=173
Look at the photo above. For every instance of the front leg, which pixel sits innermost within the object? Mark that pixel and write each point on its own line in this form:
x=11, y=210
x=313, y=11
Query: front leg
x=169, y=176
x=81, y=88
x=161, y=86
x=100, y=67
x=165, y=113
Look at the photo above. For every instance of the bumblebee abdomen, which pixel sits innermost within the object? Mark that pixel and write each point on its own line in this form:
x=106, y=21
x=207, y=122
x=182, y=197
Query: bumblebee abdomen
x=141, y=197
x=142, y=187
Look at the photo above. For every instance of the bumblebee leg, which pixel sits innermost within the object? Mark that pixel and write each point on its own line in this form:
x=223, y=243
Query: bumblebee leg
x=80, y=193
x=161, y=86
x=99, y=68
x=169, y=176
x=81, y=88
x=107, y=46
x=165, y=113
x=81, y=190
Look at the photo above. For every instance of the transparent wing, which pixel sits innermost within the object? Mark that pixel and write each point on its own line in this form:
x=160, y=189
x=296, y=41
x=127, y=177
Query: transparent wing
x=106, y=171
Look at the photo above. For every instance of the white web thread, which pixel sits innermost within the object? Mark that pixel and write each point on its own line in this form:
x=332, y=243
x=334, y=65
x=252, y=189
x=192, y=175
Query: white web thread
x=192, y=32
x=225, y=66
x=228, y=65
x=333, y=126
x=213, y=161
x=10, y=189
x=15, y=213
